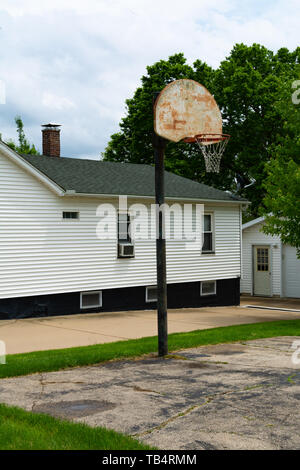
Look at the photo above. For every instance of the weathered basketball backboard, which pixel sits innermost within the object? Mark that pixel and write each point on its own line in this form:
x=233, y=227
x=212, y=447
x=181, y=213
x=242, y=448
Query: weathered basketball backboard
x=183, y=109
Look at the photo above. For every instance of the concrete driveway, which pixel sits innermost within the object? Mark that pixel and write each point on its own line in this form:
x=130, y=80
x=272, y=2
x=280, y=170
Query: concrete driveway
x=232, y=396
x=36, y=334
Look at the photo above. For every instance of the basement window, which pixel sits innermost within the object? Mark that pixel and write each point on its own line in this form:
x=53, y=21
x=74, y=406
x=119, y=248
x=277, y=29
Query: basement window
x=208, y=288
x=91, y=299
x=70, y=215
x=151, y=294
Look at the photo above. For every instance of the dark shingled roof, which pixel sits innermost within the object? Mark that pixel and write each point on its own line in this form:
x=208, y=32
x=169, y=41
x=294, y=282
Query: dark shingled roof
x=98, y=177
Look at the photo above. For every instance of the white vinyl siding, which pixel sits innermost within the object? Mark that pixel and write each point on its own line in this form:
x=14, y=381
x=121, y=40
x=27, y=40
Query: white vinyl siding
x=40, y=253
x=252, y=236
x=291, y=272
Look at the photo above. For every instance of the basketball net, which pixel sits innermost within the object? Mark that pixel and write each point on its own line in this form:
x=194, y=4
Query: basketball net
x=212, y=150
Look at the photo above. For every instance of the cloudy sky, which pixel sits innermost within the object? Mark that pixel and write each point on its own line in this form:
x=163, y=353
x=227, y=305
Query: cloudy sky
x=74, y=62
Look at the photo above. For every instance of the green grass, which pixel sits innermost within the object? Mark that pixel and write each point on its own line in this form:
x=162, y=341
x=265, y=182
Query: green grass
x=53, y=360
x=21, y=430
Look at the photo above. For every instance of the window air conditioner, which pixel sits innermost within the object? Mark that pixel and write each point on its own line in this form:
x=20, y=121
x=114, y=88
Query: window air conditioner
x=126, y=250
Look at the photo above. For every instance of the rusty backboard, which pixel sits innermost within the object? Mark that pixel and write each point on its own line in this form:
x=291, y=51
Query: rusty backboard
x=184, y=109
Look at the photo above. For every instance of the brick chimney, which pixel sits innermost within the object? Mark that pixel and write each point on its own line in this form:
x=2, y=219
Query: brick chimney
x=51, y=140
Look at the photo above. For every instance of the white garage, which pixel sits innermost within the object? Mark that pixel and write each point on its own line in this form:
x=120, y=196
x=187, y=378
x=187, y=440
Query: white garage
x=291, y=272
x=269, y=268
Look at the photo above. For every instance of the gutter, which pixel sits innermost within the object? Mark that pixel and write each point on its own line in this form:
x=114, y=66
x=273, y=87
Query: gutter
x=73, y=193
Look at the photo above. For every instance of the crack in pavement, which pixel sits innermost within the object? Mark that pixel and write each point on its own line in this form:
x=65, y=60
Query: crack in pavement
x=139, y=389
x=41, y=381
x=263, y=367
x=79, y=330
x=272, y=348
x=63, y=382
x=208, y=399
x=264, y=419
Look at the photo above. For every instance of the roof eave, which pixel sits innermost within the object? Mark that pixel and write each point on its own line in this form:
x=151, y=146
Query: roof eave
x=73, y=193
x=21, y=162
x=253, y=222
x=60, y=191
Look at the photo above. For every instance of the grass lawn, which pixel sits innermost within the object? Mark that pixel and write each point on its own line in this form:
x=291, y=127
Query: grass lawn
x=53, y=360
x=21, y=430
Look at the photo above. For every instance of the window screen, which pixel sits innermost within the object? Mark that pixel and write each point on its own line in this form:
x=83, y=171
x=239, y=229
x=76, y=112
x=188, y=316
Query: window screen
x=91, y=299
x=151, y=294
x=208, y=287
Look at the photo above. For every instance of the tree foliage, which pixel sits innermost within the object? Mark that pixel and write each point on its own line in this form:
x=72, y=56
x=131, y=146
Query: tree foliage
x=281, y=206
x=23, y=145
x=245, y=85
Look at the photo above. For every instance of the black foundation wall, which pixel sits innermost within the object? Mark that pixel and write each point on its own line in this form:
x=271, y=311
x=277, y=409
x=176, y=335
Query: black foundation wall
x=183, y=295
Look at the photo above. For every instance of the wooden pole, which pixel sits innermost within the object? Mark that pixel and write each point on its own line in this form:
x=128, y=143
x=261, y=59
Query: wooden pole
x=159, y=145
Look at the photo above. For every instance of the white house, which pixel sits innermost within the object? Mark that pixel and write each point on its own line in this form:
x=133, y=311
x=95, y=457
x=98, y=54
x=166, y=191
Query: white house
x=270, y=268
x=54, y=262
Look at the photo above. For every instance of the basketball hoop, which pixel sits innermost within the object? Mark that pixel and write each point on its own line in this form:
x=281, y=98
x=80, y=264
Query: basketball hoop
x=212, y=147
x=183, y=108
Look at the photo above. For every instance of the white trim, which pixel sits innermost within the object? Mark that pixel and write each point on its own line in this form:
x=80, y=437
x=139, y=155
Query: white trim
x=262, y=245
x=253, y=222
x=146, y=297
x=136, y=196
x=91, y=293
x=241, y=245
x=282, y=260
x=212, y=293
x=271, y=308
x=24, y=164
x=124, y=242
x=213, y=233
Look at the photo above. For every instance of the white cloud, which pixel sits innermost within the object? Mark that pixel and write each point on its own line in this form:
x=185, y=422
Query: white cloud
x=76, y=62
x=52, y=101
x=2, y=92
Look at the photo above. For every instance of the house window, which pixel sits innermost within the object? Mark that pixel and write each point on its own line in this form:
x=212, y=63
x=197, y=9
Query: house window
x=91, y=299
x=262, y=259
x=125, y=244
x=151, y=294
x=124, y=228
x=208, y=288
x=70, y=215
x=208, y=242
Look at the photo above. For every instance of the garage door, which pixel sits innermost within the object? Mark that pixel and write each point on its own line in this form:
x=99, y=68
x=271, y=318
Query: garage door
x=291, y=272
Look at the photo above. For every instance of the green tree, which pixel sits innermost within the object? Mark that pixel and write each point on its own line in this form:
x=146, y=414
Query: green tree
x=134, y=141
x=281, y=206
x=246, y=85
x=23, y=145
